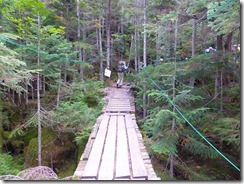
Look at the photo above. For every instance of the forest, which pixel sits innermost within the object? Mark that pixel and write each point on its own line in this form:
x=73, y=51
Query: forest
x=184, y=71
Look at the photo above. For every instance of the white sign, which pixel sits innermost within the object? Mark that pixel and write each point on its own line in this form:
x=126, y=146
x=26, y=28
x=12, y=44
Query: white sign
x=107, y=72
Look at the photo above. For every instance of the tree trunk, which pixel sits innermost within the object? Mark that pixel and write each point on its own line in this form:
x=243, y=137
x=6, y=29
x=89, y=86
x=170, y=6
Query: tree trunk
x=194, y=37
x=67, y=27
x=38, y=100
x=13, y=96
x=144, y=33
x=220, y=44
x=204, y=31
x=219, y=59
x=100, y=49
x=32, y=91
x=216, y=84
x=79, y=39
x=227, y=45
x=192, y=80
x=19, y=98
x=171, y=167
x=220, y=52
x=144, y=99
x=59, y=89
x=26, y=95
x=108, y=32
x=131, y=50
x=221, y=91
x=144, y=56
x=171, y=157
x=136, y=45
x=84, y=38
x=65, y=70
x=158, y=44
x=43, y=84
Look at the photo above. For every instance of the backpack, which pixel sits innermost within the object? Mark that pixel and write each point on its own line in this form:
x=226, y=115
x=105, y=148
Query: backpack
x=124, y=68
x=120, y=67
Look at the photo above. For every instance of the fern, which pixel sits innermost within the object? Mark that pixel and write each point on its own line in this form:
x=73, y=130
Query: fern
x=18, y=131
x=9, y=165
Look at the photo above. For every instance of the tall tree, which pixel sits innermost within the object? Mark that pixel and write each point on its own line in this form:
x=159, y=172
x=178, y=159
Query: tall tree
x=79, y=39
x=108, y=34
x=38, y=94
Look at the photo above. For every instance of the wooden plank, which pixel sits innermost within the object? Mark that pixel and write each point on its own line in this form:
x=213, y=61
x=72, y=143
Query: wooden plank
x=138, y=166
x=122, y=107
x=117, y=108
x=119, y=100
x=106, y=171
x=116, y=114
x=129, y=121
x=93, y=162
x=114, y=105
x=118, y=111
x=88, y=148
x=122, y=155
x=96, y=127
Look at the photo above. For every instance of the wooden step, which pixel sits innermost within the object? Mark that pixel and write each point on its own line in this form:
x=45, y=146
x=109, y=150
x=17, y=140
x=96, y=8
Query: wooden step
x=93, y=162
x=122, y=154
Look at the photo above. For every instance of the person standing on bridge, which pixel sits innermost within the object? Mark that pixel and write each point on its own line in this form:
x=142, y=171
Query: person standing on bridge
x=121, y=69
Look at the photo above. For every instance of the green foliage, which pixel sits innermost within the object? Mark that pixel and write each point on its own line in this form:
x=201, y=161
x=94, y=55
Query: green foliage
x=9, y=165
x=12, y=70
x=226, y=20
x=82, y=137
x=185, y=97
x=74, y=115
x=195, y=114
x=198, y=148
x=167, y=144
x=80, y=111
x=192, y=102
x=228, y=130
x=80, y=103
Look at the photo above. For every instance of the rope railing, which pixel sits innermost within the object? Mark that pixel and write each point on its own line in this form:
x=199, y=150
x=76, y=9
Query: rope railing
x=226, y=4
x=189, y=123
x=166, y=96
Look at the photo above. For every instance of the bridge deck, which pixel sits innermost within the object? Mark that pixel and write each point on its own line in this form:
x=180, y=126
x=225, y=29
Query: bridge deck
x=115, y=149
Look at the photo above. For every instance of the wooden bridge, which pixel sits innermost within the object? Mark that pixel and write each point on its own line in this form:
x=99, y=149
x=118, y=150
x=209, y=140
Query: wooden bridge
x=115, y=149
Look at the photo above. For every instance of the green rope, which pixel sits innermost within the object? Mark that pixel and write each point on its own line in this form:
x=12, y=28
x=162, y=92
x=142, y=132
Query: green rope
x=211, y=16
x=185, y=119
x=176, y=108
x=37, y=51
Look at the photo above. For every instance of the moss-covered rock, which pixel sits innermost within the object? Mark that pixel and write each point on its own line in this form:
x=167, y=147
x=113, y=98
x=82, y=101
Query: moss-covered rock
x=31, y=153
x=31, y=133
x=56, y=150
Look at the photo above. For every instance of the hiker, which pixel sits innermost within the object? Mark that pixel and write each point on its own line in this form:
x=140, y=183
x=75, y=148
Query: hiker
x=210, y=50
x=182, y=56
x=121, y=69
